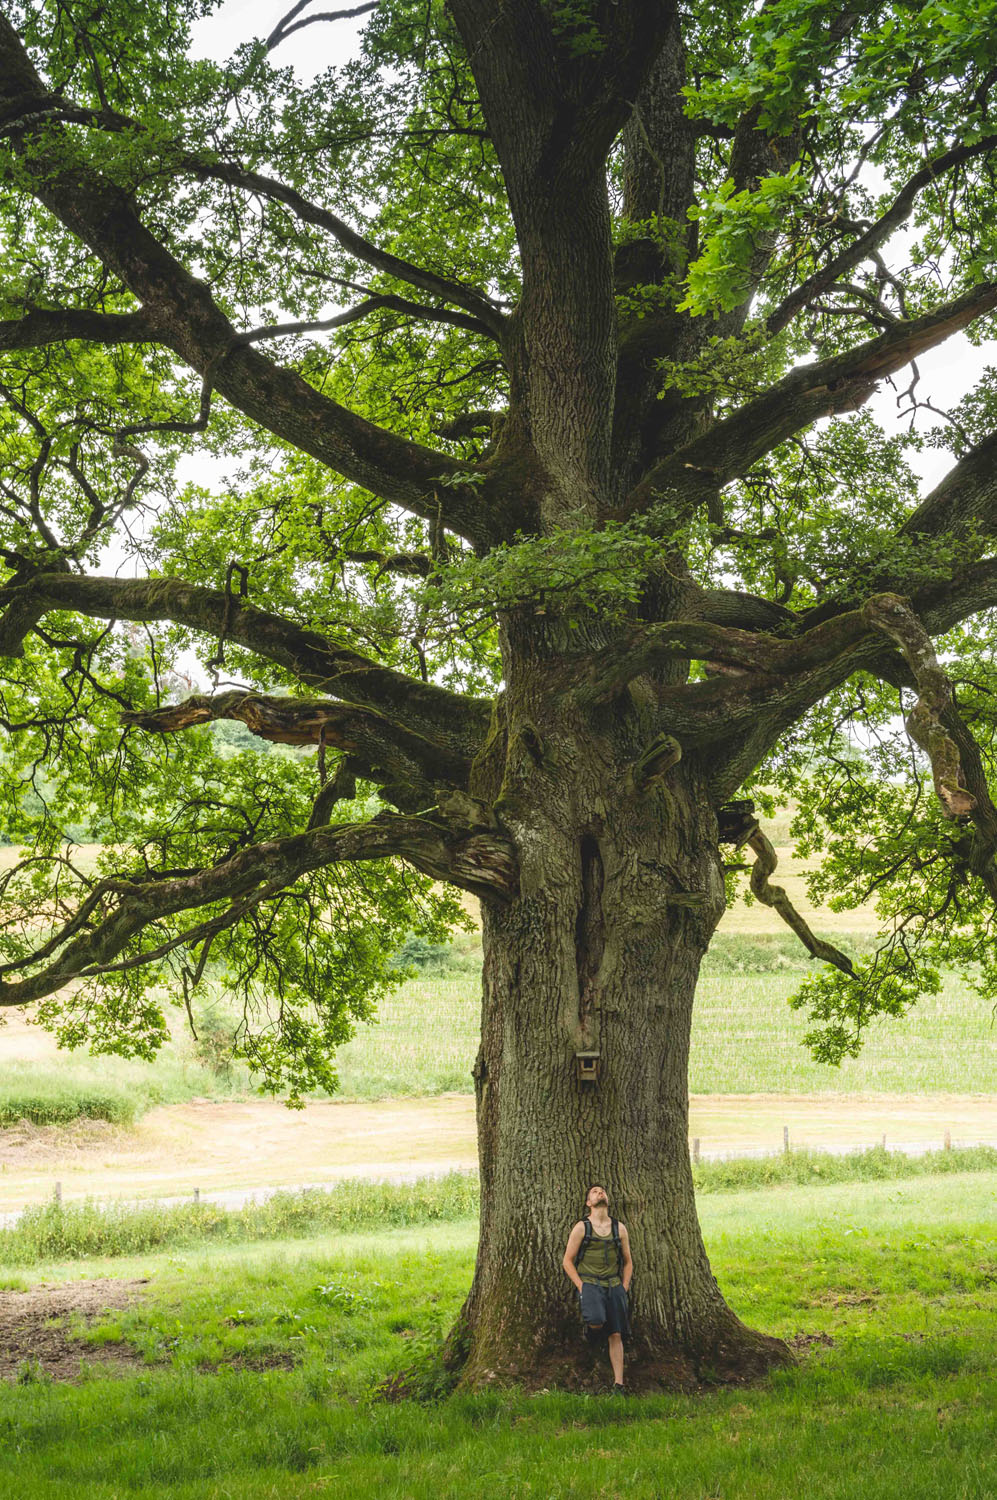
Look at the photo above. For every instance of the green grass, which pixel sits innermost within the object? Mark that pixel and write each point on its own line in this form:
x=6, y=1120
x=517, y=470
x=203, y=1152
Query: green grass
x=72, y=1086
x=745, y=1039
x=82, y=1231
x=902, y=1277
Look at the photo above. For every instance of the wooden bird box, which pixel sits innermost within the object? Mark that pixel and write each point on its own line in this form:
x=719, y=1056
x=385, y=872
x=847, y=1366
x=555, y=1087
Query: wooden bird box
x=588, y=1066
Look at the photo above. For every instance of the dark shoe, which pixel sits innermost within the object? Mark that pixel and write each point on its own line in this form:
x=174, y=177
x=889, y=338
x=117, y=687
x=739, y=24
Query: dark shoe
x=619, y=1390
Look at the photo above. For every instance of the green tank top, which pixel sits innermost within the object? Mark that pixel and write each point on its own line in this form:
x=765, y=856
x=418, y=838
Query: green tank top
x=598, y=1261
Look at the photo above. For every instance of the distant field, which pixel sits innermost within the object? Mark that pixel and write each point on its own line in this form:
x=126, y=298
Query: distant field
x=745, y=1040
x=745, y=1037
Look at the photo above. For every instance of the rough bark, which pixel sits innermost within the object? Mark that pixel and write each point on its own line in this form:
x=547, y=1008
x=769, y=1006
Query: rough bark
x=621, y=887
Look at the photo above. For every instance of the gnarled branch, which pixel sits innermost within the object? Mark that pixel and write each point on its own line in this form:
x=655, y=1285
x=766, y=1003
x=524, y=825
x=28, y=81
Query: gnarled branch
x=458, y=724
x=368, y=737
x=90, y=944
x=895, y=618
x=775, y=896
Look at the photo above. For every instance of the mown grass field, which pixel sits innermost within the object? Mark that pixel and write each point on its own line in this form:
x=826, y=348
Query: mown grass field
x=263, y=1360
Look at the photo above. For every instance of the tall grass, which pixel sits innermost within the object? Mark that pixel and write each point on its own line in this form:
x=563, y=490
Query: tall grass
x=83, y=1231
x=71, y=1086
x=80, y=1231
x=43, y=1095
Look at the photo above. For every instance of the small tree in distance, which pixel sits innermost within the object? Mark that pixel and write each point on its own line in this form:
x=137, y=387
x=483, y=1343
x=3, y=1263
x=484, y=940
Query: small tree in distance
x=534, y=341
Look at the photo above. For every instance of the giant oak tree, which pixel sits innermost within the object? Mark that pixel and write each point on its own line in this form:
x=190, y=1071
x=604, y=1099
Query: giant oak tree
x=524, y=359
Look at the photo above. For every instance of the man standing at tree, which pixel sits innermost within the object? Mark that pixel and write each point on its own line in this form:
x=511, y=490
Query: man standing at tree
x=597, y=1259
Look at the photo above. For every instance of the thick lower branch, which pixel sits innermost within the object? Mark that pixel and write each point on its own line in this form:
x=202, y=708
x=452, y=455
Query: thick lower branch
x=43, y=325
x=839, y=384
x=480, y=861
x=458, y=724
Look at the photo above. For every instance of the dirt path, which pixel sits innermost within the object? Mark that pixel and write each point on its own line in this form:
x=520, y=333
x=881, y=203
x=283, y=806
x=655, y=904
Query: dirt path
x=218, y=1146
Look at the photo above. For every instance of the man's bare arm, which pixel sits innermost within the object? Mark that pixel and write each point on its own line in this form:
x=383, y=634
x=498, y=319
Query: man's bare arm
x=574, y=1245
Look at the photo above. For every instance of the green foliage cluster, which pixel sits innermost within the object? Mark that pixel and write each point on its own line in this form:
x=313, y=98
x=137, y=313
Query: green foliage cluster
x=733, y=224
x=921, y=67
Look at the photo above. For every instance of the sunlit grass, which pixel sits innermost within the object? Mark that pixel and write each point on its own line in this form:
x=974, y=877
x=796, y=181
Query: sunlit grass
x=889, y=1289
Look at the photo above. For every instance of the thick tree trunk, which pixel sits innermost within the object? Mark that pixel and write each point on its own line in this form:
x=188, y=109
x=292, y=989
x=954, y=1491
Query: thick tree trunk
x=621, y=889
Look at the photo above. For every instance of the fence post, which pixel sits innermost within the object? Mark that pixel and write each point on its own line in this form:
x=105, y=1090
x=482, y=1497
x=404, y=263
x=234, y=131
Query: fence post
x=58, y=1193
x=948, y=1140
x=884, y=1141
x=785, y=1137
x=695, y=1148
x=197, y=1195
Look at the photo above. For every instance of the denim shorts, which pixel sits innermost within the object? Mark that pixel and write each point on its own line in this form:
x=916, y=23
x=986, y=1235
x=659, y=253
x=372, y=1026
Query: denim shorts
x=606, y=1305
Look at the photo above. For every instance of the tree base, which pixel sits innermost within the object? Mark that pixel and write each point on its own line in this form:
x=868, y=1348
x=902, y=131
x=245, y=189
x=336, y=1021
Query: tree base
x=741, y=1357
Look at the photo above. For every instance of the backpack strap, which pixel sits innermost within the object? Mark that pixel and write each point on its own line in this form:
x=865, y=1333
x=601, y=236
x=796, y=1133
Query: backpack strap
x=585, y=1240
x=615, y=1223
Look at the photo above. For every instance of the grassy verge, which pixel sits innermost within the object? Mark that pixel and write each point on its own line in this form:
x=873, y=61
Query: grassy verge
x=890, y=1291
x=70, y=1087
x=81, y=1231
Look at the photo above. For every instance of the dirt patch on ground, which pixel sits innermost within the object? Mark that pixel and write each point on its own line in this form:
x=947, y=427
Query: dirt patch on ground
x=37, y=1339
x=24, y=1144
x=802, y=1343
